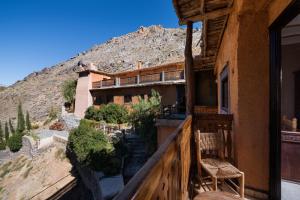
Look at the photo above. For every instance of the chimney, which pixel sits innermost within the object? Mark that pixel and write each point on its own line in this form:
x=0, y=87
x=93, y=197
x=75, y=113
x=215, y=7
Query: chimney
x=139, y=64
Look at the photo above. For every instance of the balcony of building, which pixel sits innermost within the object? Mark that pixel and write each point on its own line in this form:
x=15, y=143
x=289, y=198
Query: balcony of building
x=141, y=79
x=172, y=172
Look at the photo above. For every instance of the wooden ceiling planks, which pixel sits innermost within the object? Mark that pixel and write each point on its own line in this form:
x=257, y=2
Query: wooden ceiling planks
x=214, y=15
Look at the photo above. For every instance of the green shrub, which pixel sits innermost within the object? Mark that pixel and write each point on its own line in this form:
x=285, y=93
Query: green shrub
x=143, y=117
x=69, y=93
x=2, y=145
x=15, y=142
x=90, y=123
x=93, y=113
x=93, y=149
x=114, y=113
x=110, y=113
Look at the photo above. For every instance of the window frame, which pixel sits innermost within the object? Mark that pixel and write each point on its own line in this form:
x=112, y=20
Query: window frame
x=225, y=82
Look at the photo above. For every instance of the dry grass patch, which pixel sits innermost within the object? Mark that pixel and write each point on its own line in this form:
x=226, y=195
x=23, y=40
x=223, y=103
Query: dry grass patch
x=60, y=154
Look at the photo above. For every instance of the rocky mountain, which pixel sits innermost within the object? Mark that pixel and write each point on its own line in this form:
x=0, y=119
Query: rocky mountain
x=2, y=87
x=40, y=91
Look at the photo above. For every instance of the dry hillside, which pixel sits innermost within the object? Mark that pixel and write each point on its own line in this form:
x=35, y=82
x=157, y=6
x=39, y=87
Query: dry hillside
x=41, y=90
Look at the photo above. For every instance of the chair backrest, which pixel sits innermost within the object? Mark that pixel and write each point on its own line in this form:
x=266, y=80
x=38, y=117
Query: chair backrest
x=210, y=144
x=213, y=135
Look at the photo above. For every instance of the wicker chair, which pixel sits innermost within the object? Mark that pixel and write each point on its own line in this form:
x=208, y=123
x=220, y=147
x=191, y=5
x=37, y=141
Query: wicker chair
x=214, y=163
x=212, y=155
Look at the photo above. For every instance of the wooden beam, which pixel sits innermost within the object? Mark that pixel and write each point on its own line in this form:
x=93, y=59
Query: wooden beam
x=204, y=34
x=206, y=16
x=189, y=65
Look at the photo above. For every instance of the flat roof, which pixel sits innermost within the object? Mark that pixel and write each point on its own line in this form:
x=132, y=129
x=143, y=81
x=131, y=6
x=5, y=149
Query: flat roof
x=181, y=63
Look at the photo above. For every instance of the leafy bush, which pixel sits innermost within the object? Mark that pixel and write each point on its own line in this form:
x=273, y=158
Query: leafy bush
x=2, y=145
x=114, y=113
x=111, y=113
x=93, y=149
x=69, y=90
x=143, y=117
x=69, y=93
x=15, y=142
x=93, y=113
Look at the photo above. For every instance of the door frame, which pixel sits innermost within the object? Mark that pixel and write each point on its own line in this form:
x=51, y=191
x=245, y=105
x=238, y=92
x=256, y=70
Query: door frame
x=275, y=97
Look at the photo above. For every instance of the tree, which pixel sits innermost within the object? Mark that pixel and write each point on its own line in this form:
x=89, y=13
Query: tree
x=2, y=143
x=28, y=123
x=1, y=132
x=69, y=91
x=143, y=117
x=6, y=131
x=93, y=149
x=21, y=120
x=11, y=127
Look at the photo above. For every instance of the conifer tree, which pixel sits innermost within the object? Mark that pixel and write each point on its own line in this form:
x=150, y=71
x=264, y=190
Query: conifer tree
x=21, y=120
x=28, y=123
x=6, y=131
x=11, y=127
x=1, y=133
x=2, y=142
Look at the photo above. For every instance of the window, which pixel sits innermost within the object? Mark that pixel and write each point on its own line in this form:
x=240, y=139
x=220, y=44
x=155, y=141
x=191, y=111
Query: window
x=127, y=99
x=224, y=90
x=109, y=98
x=98, y=100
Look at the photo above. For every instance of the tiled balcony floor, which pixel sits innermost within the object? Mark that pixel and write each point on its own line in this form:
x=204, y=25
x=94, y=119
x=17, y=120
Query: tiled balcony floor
x=290, y=190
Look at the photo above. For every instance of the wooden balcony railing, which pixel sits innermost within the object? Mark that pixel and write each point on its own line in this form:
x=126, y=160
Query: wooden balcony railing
x=109, y=82
x=166, y=173
x=150, y=78
x=147, y=78
x=174, y=75
x=97, y=84
x=128, y=80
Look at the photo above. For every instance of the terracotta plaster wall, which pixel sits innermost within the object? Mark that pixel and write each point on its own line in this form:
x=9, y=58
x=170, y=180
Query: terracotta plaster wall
x=252, y=138
x=98, y=77
x=83, y=96
x=245, y=48
x=168, y=93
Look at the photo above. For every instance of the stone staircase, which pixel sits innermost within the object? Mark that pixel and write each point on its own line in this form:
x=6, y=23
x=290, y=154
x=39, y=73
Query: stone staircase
x=136, y=158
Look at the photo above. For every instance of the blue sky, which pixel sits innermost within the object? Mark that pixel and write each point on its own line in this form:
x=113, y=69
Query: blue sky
x=40, y=33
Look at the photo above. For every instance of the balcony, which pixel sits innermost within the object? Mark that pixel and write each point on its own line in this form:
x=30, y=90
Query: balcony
x=164, y=77
x=128, y=81
x=171, y=172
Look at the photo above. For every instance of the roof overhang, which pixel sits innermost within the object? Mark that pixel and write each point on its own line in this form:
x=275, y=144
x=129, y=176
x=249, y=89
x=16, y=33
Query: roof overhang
x=214, y=16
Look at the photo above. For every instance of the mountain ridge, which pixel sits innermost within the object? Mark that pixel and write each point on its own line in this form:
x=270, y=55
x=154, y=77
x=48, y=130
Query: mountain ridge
x=40, y=91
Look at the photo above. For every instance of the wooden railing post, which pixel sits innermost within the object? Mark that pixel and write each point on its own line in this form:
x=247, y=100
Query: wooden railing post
x=189, y=74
